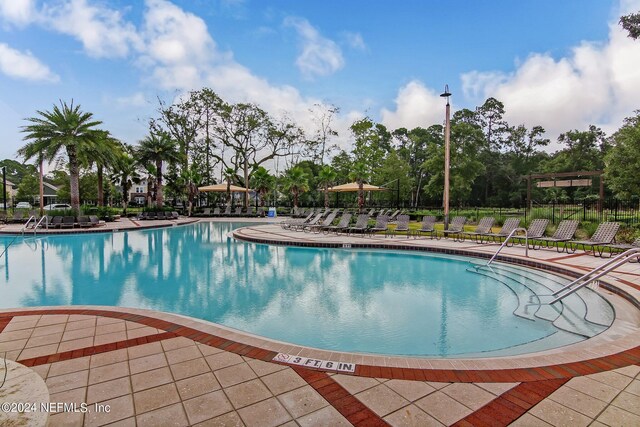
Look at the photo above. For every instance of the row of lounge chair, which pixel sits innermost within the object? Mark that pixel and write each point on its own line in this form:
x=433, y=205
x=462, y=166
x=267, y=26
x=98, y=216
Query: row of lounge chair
x=562, y=239
x=238, y=211
x=602, y=241
x=82, y=221
x=323, y=222
x=157, y=215
x=373, y=213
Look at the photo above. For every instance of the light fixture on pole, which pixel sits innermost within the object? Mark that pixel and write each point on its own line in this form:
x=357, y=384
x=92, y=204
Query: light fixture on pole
x=447, y=132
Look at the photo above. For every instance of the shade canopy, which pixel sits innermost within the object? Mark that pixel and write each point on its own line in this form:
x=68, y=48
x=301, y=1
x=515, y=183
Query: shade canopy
x=222, y=188
x=353, y=186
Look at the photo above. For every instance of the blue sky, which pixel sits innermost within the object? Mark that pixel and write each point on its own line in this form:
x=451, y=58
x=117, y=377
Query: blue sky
x=560, y=64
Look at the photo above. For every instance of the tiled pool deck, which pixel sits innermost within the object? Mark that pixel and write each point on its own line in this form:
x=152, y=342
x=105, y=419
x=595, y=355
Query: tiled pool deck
x=154, y=368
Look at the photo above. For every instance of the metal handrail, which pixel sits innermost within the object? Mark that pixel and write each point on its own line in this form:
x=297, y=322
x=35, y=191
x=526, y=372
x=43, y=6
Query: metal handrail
x=604, y=269
x=526, y=244
x=24, y=227
x=44, y=218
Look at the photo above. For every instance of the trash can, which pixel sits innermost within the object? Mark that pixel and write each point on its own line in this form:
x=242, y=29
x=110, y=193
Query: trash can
x=272, y=213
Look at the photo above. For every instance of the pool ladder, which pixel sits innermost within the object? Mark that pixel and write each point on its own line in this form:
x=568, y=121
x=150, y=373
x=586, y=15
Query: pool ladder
x=37, y=223
x=595, y=274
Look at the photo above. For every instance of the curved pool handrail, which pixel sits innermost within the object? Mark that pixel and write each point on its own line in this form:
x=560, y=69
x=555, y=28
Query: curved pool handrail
x=513, y=232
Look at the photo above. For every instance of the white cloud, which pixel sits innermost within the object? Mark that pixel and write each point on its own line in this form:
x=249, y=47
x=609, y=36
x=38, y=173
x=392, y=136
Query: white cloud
x=354, y=40
x=18, y=12
x=416, y=105
x=103, y=32
x=596, y=84
x=23, y=65
x=320, y=56
x=135, y=100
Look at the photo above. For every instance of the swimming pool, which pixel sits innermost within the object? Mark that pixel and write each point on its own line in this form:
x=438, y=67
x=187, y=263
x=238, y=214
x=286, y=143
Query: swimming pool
x=349, y=300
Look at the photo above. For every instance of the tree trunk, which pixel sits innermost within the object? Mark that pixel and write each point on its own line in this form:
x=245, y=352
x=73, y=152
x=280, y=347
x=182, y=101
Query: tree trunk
x=326, y=196
x=295, y=200
x=74, y=178
x=246, y=184
x=100, y=187
x=360, y=196
x=159, y=196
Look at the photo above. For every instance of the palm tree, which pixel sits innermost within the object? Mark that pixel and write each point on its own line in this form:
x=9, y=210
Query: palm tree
x=326, y=177
x=65, y=127
x=359, y=173
x=157, y=148
x=295, y=180
x=104, y=155
x=262, y=182
x=125, y=173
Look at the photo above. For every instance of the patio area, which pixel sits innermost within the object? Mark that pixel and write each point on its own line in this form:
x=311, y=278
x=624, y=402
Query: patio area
x=155, y=368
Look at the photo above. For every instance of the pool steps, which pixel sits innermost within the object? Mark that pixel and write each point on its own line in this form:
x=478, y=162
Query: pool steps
x=583, y=313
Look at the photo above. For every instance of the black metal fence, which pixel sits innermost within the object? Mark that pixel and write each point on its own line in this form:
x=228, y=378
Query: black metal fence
x=622, y=211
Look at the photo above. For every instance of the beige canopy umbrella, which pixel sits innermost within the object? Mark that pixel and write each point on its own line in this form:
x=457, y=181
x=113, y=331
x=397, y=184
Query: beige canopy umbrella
x=353, y=186
x=222, y=188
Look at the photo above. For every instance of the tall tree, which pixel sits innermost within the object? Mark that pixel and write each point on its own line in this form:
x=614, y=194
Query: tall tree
x=67, y=128
x=296, y=181
x=125, y=174
x=157, y=148
x=623, y=159
x=631, y=23
x=360, y=173
x=262, y=182
x=323, y=116
x=327, y=177
x=104, y=154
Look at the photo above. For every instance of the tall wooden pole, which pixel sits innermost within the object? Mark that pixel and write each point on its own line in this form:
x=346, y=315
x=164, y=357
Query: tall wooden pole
x=447, y=132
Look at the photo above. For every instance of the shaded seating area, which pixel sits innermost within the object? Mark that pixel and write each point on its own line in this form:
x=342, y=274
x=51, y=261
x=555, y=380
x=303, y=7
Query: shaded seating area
x=604, y=235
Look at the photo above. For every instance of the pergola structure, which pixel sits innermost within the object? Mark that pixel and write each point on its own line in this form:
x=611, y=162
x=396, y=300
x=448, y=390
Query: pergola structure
x=579, y=182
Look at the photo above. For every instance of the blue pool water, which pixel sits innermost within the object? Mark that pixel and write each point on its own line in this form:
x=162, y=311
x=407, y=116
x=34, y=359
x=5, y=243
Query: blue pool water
x=349, y=300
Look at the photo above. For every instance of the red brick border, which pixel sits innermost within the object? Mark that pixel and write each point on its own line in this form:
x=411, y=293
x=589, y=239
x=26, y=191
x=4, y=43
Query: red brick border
x=343, y=401
x=512, y=404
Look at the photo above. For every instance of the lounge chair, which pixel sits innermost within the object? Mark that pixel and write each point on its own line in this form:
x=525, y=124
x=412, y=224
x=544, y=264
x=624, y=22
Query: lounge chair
x=3, y=217
x=456, y=227
x=95, y=221
x=394, y=215
x=291, y=222
x=427, y=226
x=142, y=216
x=56, y=221
x=227, y=211
x=343, y=224
x=604, y=235
x=625, y=247
x=206, y=211
x=18, y=216
x=507, y=228
x=316, y=228
x=401, y=225
x=361, y=225
x=174, y=215
x=565, y=232
x=152, y=215
x=251, y=211
x=381, y=225
x=67, y=222
x=84, y=221
x=216, y=212
x=535, y=231
x=261, y=212
x=237, y=211
x=307, y=225
x=483, y=228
